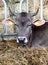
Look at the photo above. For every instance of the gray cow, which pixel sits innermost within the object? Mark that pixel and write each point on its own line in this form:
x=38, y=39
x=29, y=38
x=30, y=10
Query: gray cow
x=28, y=32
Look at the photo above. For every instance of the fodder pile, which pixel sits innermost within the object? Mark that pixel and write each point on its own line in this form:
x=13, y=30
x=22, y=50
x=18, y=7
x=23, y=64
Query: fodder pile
x=11, y=55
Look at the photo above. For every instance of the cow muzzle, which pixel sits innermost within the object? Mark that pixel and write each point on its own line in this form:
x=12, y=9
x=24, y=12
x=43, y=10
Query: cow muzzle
x=22, y=40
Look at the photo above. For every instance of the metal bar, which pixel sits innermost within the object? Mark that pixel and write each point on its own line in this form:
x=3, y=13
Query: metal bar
x=41, y=9
x=6, y=29
x=27, y=6
x=5, y=14
x=8, y=35
x=20, y=6
x=5, y=8
x=34, y=7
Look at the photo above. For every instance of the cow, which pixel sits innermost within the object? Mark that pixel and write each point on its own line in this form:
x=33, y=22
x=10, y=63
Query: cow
x=29, y=33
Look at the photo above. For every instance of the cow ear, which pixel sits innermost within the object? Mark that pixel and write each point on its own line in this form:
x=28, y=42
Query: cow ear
x=39, y=22
x=8, y=21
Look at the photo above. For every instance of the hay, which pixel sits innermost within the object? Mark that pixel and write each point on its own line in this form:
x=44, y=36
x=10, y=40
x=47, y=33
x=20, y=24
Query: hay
x=11, y=55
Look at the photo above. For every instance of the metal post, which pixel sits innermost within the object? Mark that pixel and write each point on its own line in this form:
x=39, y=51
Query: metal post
x=34, y=8
x=20, y=6
x=5, y=14
x=27, y=6
x=5, y=9
x=41, y=9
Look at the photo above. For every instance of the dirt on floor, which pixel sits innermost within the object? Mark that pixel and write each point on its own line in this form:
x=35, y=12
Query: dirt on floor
x=10, y=54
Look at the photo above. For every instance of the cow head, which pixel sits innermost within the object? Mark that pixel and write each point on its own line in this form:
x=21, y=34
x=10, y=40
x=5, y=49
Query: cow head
x=23, y=26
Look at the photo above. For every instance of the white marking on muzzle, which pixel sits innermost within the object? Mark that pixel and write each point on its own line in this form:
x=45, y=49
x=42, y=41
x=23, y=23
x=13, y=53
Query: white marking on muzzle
x=26, y=40
x=22, y=37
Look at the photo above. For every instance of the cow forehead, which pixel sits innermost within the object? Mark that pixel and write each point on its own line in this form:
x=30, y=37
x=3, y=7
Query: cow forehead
x=25, y=20
x=23, y=14
x=23, y=17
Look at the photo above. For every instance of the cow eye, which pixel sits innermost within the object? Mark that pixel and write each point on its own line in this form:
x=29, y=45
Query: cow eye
x=29, y=25
x=17, y=25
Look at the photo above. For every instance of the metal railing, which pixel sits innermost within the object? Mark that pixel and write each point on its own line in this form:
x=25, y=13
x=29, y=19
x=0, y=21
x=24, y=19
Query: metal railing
x=20, y=6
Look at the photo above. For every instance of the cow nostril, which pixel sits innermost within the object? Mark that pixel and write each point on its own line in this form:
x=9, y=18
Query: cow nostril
x=24, y=39
x=21, y=40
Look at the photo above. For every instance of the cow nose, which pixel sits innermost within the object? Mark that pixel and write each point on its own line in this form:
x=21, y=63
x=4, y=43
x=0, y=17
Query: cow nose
x=22, y=40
